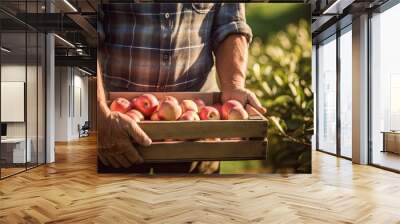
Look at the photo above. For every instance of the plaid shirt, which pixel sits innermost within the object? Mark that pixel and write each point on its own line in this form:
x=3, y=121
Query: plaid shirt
x=164, y=47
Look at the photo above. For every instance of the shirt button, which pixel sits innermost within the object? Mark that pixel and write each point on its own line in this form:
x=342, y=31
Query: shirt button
x=165, y=57
x=166, y=15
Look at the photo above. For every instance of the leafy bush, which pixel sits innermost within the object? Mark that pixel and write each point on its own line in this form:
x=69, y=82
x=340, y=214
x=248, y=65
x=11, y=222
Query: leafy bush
x=279, y=72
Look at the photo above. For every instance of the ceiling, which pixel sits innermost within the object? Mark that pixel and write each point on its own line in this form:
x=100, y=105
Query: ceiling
x=19, y=54
x=75, y=21
x=328, y=15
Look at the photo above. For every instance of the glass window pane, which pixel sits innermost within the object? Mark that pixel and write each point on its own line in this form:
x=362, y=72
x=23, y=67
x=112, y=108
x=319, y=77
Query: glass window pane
x=15, y=150
x=327, y=96
x=32, y=85
x=313, y=85
x=385, y=84
x=346, y=94
x=23, y=85
x=31, y=96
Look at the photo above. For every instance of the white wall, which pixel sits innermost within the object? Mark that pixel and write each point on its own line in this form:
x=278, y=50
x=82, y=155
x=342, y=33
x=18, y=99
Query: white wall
x=13, y=73
x=80, y=112
x=71, y=102
x=16, y=72
x=61, y=114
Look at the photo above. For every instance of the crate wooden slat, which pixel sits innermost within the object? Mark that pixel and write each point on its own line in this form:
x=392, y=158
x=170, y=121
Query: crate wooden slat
x=204, y=151
x=203, y=129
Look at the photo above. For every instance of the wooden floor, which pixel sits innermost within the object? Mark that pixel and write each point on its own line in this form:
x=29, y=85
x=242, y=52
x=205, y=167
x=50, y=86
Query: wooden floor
x=71, y=191
x=10, y=171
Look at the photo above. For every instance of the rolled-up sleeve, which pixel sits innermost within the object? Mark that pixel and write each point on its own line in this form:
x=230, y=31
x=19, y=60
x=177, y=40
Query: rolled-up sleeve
x=229, y=19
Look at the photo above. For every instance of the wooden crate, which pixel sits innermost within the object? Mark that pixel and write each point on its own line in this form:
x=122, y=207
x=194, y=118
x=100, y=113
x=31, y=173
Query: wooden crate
x=254, y=131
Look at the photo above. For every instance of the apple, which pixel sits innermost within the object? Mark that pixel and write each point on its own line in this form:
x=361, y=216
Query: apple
x=155, y=117
x=146, y=104
x=189, y=116
x=189, y=105
x=200, y=103
x=213, y=139
x=170, y=98
x=227, y=106
x=218, y=106
x=135, y=115
x=238, y=113
x=209, y=113
x=120, y=105
x=169, y=111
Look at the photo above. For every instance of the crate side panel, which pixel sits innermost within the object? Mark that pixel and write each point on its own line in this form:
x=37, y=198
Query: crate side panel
x=204, y=151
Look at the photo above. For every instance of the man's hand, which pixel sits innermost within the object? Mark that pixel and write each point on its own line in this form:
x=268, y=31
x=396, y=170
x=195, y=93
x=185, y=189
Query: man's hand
x=231, y=63
x=244, y=96
x=116, y=137
x=116, y=133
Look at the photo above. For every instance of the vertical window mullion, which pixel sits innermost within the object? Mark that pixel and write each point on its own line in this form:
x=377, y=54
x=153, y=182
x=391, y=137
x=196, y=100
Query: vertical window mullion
x=26, y=86
x=316, y=97
x=37, y=89
x=338, y=75
x=369, y=73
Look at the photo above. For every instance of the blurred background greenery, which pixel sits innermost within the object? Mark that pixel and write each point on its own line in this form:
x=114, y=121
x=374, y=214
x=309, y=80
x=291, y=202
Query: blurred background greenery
x=279, y=72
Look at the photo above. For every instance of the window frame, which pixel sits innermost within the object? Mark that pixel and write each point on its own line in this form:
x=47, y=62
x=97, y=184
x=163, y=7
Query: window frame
x=347, y=27
x=27, y=29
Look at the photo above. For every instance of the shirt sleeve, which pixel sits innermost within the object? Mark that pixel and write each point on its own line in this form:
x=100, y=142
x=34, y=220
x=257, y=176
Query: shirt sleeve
x=229, y=19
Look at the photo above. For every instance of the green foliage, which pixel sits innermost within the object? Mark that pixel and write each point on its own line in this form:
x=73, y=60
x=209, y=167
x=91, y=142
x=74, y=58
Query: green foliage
x=266, y=19
x=279, y=73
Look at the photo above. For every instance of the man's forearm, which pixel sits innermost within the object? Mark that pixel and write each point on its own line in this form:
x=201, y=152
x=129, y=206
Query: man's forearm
x=101, y=95
x=231, y=62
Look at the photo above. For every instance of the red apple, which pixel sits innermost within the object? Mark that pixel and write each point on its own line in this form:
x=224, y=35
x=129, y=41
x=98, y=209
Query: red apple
x=135, y=115
x=227, y=106
x=238, y=113
x=155, y=117
x=189, y=116
x=120, y=105
x=218, y=106
x=200, y=103
x=146, y=104
x=189, y=105
x=209, y=113
x=169, y=111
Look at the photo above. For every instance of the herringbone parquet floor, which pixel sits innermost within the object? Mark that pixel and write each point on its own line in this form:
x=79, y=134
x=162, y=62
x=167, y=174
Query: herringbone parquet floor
x=71, y=191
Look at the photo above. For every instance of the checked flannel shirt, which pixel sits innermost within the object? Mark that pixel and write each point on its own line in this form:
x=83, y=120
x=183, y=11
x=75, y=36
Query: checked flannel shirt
x=164, y=47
